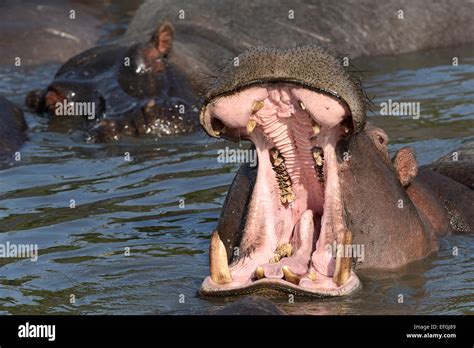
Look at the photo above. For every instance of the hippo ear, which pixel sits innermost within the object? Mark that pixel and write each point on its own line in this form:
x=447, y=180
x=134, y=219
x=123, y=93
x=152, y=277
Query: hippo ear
x=163, y=39
x=405, y=165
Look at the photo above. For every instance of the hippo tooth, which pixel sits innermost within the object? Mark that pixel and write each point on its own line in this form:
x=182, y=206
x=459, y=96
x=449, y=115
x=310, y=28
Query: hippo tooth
x=259, y=272
x=316, y=128
x=312, y=275
x=257, y=106
x=290, y=276
x=251, y=126
x=282, y=176
x=302, y=105
x=318, y=160
x=283, y=250
x=343, y=264
x=218, y=261
x=318, y=156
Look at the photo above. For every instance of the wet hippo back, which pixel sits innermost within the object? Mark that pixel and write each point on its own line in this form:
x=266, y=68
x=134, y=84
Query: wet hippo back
x=39, y=31
x=210, y=31
x=458, y=165
x=12, y=128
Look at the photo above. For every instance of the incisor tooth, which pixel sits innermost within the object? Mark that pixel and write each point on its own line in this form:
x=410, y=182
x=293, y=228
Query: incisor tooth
x=218, y=261
x=290, y=276
x=251, y=126
x=312, y=275
x=343, y=264
x=259, y=272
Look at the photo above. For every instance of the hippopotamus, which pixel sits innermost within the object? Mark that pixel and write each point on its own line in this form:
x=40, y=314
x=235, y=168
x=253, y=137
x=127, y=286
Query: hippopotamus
x=12, y=128
x=37, y=32
x=142, y=95
x=210, y=32
x=122, y=90
x=325, y=200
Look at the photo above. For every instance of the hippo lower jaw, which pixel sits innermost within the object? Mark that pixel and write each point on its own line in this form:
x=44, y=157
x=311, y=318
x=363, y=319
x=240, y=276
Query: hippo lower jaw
x=295, y=215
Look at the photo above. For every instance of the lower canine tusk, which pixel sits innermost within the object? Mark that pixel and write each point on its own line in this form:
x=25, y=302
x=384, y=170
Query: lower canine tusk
x=343, y=263
x=218, y=261
x=290, y=276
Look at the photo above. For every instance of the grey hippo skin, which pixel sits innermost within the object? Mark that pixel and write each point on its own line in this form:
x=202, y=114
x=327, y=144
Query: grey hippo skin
x=252, y=305
x=207, y=33
x=325, y=184
x=214, y=31
x=12, y=128
x=42, y=31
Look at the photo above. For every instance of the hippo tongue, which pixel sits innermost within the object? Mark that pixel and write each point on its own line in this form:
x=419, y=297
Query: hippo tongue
x=302, y=241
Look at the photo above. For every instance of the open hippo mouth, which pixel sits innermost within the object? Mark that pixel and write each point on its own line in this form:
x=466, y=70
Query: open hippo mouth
x=295, y=106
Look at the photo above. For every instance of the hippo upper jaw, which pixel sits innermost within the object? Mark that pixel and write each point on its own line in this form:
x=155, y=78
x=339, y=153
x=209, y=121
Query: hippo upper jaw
x=295, y=224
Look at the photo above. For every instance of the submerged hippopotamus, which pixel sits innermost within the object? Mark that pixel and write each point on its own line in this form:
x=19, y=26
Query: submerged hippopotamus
x=209, y=32
x=37, y=32
x=143, y=89
x=325, y=197
x=12, y=128
x=122, y=90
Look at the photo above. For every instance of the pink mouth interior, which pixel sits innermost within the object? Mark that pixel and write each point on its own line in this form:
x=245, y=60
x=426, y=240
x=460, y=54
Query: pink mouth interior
x=312, y=221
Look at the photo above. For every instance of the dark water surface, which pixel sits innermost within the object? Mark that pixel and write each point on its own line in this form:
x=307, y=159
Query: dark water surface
x=136, y=205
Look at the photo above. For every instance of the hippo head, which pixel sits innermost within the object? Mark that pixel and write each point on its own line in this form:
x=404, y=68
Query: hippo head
x=324, y=180
x=134, y=90
x=295, y=106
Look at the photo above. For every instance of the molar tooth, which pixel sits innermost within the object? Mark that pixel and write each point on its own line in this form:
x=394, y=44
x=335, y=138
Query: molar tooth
x=218, y=261
x=290, y=197
x=316, y=128
x=318, y=156
x=283, y=179
x=290, y=276
x=319, y=161
x=251, y=124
